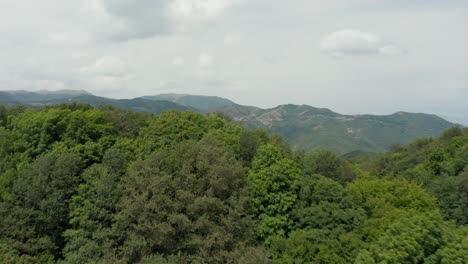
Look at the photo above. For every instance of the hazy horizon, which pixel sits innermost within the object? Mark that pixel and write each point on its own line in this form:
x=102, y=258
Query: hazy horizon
x=351, y=56
x=453, y=120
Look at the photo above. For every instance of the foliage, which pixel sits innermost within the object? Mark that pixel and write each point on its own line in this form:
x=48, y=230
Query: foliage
x=316, y=246
x=92, y=210
x=304, y=127
x=41, y=196
x=328, y=164
x=439, y=165
x=273, y=182
x=325, y=204
x=103, y=185
x=454, y=248
x=308, y=128
x=171, y=128
x=191, y=198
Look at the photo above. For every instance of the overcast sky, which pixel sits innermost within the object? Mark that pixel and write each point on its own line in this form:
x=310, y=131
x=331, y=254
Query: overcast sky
x=353, y=56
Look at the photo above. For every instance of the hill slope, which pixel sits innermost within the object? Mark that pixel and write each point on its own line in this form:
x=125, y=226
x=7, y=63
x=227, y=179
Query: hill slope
x=202, y=103
x=303, y=126
x=308, y=128
x=40, y=99
x=25, y=97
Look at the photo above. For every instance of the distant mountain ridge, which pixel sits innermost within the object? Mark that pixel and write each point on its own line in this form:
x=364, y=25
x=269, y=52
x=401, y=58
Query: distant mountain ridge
x=200, y=102
x=20, y=97
x=64, y=92
x=41, y=99
x=304, y=127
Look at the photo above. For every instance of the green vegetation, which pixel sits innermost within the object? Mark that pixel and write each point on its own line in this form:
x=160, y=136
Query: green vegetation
x=103, y=185
x=34, y=99
x=303, y=127
x=439, y=165
x=308, y=128
x=202, y=103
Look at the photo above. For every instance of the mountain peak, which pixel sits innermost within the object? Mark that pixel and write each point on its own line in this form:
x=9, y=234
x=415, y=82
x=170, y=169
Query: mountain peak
x=201, y=102
x=304, y=110
x=47, y=92
x=64, y=91
x=303, y=126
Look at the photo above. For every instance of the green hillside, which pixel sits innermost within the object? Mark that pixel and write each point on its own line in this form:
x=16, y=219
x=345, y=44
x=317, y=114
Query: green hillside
x=202, y=103
x=104, y=185
x=440, y=165
x=25, y=97
x=303, y=127
x=308, y=128
x=136, y=104
x=37, y=99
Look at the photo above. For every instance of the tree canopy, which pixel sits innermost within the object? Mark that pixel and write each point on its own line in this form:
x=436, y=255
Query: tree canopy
x=102, y=185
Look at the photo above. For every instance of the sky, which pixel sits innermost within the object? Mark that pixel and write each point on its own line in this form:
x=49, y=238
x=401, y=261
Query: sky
x=352, y=56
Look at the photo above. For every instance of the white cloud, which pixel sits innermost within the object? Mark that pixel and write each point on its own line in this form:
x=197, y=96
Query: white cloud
x=178, y=62
x=351, y=42
x=55, y=39
x=107, y=75
x=390, y=49
x=199, y=9
x=238, y=87
x=205, y=59
x=232, y=38
x=125, y=19
x=43, y=84
x=111, y=67
x=273, y=54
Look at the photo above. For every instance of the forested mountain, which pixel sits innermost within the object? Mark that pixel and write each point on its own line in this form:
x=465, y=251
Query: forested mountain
x=86, y=185
x=202, y=103
x=26, y=97
x=440, y=165
x=304, y=127
x=308, y=128
x=41, y=99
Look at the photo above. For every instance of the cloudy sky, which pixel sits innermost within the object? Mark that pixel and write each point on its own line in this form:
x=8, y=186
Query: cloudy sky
x=353, y=56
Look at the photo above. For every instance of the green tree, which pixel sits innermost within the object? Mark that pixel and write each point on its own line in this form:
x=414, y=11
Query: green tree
x=32, y=133
x=316, y=246
x=191, y=198
x=250, y=141
x=274, y=183
x=328, y=164
x=377, y=195
x=452, y=196
x=404, y=225
x=93, y=208
x=19, y=239
x=409, y=239
x=170, y=128
x=3, y=115
x=41, y=198
x=454, y=249
x=324, y=204
x=126, y=123
x=327, y=225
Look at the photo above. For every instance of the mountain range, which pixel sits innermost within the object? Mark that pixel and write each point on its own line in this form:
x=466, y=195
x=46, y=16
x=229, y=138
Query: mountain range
x=304, y=127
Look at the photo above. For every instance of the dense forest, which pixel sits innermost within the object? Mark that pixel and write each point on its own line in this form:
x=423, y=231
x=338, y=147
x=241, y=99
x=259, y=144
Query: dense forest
x=103, y=185
x=304, y=127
